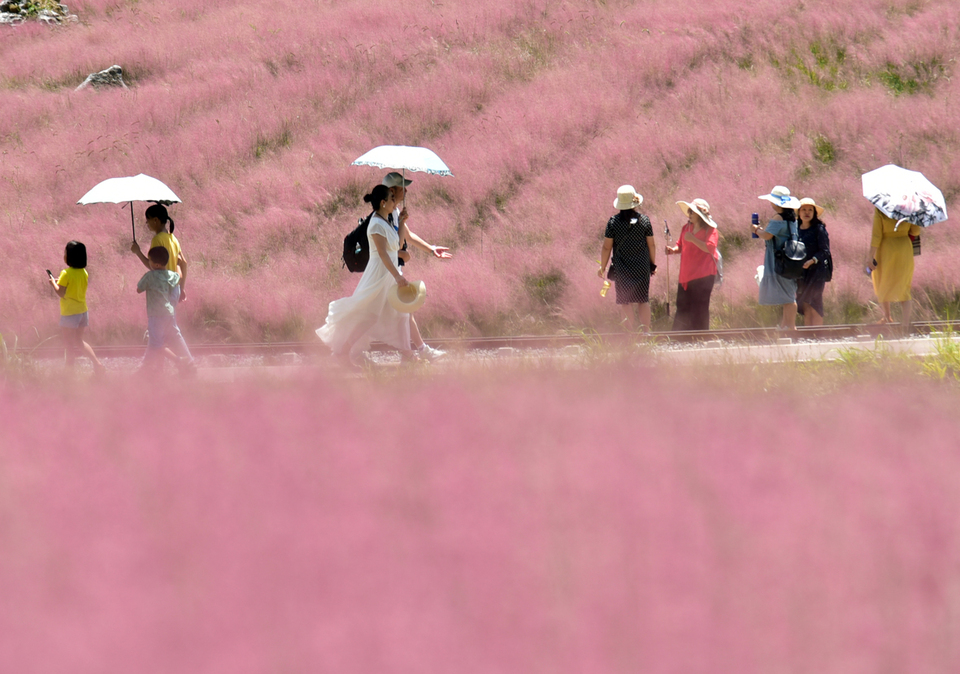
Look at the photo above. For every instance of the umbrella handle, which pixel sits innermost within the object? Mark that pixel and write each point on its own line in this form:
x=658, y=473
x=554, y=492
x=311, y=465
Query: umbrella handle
x=668, y=237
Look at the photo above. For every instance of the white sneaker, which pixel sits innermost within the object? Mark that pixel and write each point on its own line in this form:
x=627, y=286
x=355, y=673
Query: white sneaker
x=430, y=353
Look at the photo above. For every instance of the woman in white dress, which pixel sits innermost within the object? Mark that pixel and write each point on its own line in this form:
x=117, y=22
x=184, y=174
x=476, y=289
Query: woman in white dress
x=353, y=322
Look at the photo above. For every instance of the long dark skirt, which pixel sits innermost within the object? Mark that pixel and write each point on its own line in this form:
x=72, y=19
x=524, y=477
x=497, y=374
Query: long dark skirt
x=693, y=304
x=810, y=292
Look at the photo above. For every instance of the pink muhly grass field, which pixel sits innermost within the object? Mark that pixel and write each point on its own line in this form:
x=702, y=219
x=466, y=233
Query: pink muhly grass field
x=540, y=109
x=529, y=522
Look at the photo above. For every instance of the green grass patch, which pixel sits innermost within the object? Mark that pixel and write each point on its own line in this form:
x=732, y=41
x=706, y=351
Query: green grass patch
x=269, y=143
x=823, y=65
x=914, y=77
x=732, y=244
x=745, y=62
x=34, y=7
x=546, y=289
x=945, y=363
x=846, y=311
x=824, y=151
x=943, y=305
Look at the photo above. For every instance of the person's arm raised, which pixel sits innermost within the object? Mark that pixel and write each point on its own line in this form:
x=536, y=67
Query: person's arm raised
x=440, y=252
x=761, y=232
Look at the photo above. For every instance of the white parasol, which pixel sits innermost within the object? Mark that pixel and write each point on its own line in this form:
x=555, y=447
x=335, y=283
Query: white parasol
x=132, y=188
x=906, y=196
x=405, y=158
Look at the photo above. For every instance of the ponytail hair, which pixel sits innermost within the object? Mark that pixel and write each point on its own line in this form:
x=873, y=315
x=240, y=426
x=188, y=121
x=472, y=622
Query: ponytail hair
x=159, y=211
x=377, y=196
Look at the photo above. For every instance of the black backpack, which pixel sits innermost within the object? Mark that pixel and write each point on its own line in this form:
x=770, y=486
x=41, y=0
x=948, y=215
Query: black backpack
x=356, y=248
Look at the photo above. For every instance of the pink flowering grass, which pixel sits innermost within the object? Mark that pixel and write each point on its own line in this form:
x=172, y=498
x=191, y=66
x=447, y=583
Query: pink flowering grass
x=563, y=522
x=540, y=109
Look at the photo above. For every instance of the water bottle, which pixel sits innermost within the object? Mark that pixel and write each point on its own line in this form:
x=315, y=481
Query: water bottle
x=754, y=220
x=605, y=288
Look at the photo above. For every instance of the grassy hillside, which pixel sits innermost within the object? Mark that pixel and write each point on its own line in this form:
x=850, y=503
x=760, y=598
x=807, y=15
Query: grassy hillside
x=253, y=113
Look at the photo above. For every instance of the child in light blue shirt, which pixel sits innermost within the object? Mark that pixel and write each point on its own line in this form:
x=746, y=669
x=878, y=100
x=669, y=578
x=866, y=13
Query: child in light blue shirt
x=163, y=333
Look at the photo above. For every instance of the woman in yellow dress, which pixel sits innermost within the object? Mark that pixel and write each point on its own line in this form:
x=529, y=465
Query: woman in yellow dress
x=891, y=264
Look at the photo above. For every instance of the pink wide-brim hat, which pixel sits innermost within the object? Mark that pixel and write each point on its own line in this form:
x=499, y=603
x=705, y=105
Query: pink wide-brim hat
x=699, y=207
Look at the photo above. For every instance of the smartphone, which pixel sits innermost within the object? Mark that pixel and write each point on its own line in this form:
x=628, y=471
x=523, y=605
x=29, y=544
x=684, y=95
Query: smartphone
x=49, y=273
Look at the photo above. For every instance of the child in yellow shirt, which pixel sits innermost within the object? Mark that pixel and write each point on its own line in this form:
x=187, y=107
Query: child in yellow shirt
x=157, y=219
x=71, y=287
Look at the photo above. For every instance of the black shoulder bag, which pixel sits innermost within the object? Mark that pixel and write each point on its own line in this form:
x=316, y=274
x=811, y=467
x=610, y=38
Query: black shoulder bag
x=789, y=258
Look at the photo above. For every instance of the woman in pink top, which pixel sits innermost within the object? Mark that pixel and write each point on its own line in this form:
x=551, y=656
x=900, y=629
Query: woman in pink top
x=697, y=247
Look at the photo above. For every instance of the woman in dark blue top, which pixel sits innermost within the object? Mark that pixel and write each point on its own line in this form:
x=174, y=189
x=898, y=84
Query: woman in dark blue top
x=818, y=266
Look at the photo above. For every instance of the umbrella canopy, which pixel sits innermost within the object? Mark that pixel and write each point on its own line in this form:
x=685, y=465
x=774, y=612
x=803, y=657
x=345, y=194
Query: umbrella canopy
x=406, y=158
x=904, y=195
x=132, y=188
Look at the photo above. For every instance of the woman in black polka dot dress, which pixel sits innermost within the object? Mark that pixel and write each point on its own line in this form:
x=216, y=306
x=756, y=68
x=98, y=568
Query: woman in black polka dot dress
x=629, y=236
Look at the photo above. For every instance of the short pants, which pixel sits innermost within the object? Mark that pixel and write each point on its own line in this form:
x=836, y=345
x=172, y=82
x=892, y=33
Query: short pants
x=75, y=321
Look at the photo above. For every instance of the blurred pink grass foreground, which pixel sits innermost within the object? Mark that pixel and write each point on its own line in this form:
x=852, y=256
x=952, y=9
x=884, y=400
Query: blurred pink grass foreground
x=528, y=523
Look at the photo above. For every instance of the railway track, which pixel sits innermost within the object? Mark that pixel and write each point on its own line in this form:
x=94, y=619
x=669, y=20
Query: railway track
x=743, y=335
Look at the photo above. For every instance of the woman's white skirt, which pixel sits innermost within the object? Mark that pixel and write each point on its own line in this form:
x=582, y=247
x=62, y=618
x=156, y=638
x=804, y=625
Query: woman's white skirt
x=366, y=316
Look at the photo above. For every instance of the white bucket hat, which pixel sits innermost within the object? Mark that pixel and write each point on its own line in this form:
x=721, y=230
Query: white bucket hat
x=627, y=198
x=409, y=298
x=699, y=207
x=395, y=180
x=807, y=201
x=780, y=196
